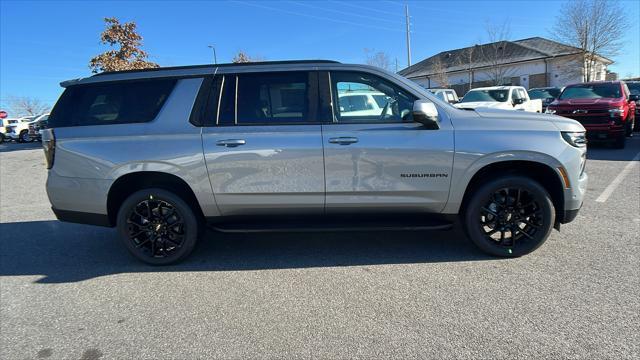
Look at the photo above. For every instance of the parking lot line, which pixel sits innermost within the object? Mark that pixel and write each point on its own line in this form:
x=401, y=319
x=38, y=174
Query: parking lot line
x=614, y=184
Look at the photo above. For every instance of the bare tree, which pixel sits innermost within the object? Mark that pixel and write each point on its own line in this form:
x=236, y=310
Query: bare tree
x=495, y=53
x=128, y=54
x=439, y=71
x=27, y=106
x=465, y=59
x=377, y=58
x=243, y=57
x=595, y=27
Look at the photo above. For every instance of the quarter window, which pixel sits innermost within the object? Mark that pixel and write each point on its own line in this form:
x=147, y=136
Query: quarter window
x=365, y=98
x=111, y=103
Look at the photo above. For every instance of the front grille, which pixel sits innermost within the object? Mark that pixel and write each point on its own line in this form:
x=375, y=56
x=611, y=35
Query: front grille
x=589, y=119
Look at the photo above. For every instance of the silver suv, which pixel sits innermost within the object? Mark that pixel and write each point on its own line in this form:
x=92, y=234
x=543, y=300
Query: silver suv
x=273, y=147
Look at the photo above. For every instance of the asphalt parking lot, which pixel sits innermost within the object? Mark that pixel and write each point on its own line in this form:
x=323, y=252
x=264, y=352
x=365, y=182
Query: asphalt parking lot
x=72, y=291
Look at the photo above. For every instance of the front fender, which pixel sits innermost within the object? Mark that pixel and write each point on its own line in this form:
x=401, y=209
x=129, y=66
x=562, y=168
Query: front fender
x=467, y=165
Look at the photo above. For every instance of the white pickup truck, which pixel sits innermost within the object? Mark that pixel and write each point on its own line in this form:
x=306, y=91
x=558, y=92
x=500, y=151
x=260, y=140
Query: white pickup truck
x=500, y=97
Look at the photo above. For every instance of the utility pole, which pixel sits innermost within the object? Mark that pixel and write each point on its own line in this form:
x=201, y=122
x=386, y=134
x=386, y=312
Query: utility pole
x=215, y=59
x=406, y=11
x=396, y=64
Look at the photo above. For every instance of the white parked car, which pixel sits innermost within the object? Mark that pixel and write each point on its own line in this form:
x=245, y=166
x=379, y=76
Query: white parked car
x=4, y=123
x=448, y=95
x=18, y=130
x=362, y=103
x=500, y=97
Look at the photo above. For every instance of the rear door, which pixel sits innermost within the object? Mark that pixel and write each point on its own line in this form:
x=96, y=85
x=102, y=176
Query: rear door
x=385, y=161
x=263, y=148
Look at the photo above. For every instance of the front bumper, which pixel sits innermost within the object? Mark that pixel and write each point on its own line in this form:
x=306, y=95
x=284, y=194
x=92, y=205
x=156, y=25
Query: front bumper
x=604, y=132
x=574, y=198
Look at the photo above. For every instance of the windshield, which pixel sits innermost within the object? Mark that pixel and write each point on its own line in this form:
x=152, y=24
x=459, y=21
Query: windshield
x=634, y=88
x=544, y=93
x=486, y=95
x=591, y=91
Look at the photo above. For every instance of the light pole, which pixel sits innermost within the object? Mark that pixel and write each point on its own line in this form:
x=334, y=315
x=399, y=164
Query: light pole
x=215, y=59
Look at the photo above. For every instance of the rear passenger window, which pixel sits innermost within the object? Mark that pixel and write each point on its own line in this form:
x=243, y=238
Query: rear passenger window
x=111, y=103
x=275, y=98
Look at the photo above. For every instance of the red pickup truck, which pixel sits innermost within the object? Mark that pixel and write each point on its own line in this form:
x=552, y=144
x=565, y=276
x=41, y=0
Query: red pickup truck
x=606, y=109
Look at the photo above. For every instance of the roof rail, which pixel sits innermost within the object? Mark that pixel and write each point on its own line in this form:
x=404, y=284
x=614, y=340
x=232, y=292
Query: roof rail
x=188, y=67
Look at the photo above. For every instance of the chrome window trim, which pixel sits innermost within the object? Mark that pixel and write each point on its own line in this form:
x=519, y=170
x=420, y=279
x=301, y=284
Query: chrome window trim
x=219, y=101
x=235, y=105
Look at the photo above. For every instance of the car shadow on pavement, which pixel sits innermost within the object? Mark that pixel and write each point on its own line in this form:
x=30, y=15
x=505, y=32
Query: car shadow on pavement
x=63, y=252
x=603, y=151
x=13, y=146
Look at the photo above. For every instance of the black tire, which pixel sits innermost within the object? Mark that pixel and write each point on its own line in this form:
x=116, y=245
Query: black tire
x=1, y=138
x=24, y=137
x=170, y=232
x=620, y=142
x=523, y=206
x=630, y=126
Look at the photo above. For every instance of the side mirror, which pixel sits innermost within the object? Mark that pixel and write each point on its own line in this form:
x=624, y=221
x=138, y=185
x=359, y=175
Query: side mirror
x=518, y=101
x=633, y=97
x=426, y=113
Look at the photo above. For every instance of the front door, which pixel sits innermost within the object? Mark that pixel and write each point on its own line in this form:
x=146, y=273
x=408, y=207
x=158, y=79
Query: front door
x=376, y=158
x=264, y=154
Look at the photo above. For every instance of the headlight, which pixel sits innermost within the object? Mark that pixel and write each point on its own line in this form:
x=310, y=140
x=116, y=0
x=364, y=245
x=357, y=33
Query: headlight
x=577, y=139
x=616, y=112
x=550, y=111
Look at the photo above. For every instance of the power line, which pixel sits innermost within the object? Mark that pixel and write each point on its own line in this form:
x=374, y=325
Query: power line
x=317, y=17
x=363, y=7
x=346, y=13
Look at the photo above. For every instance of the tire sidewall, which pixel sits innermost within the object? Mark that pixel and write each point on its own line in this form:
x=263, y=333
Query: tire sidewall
x=191, y=225
x=481, y=196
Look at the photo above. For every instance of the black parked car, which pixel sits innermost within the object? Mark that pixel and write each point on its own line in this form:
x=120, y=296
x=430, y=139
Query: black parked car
x=546, y=94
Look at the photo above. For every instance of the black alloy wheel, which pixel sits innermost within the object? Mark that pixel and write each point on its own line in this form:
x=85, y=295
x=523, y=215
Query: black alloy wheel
x=157, y=226
x=510, y=216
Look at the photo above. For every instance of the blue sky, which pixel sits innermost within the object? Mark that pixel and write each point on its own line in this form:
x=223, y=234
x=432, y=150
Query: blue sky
x=45, y=42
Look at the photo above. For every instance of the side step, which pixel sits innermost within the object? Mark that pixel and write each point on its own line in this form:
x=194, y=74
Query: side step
x=260, y=226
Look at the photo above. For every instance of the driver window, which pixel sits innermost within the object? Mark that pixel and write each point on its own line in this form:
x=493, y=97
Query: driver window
x=514, y=94
x=365, y=98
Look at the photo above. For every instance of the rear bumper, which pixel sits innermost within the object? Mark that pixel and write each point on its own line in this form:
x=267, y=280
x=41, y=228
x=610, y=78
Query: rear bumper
x=82, y=217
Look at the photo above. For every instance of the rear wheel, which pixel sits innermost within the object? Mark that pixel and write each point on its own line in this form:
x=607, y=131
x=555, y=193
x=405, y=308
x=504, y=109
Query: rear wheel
x=510, y=216
x=1, y=138
x=157, y=226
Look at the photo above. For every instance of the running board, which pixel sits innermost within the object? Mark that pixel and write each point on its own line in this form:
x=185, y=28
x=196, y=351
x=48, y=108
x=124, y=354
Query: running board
x=260, y=227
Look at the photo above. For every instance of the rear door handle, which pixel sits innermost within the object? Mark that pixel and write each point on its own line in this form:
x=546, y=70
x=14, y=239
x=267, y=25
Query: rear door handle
x=346, y=140
x=231, y=142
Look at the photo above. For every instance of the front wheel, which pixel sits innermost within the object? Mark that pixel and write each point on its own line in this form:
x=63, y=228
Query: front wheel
x=24, y=137
x=510, y=216
x=157, y=226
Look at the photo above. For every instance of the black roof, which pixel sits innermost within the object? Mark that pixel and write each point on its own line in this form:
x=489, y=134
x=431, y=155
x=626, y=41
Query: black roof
x=213, y=66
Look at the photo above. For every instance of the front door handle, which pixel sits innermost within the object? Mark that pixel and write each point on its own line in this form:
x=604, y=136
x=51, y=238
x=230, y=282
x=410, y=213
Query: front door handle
x=346, y=140
x=231, y=142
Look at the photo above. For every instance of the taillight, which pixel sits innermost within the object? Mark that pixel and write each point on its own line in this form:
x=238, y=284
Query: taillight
x=49, y=145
